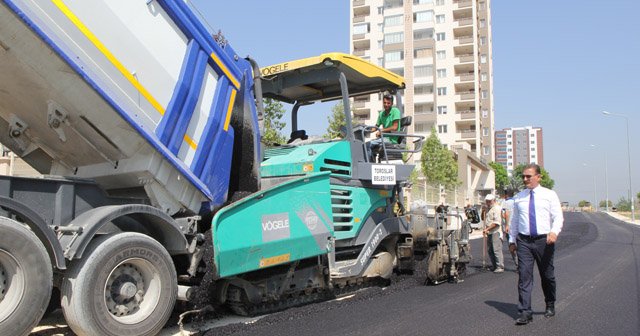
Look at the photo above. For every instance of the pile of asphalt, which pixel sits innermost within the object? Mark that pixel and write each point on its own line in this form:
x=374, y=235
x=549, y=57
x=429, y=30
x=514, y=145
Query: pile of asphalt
x=399, y=283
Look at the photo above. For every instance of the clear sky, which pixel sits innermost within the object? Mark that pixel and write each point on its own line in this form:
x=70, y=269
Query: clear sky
x=557, y=65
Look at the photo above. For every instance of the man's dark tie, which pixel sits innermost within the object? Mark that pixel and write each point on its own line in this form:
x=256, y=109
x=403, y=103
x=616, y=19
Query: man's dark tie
x=533, y=231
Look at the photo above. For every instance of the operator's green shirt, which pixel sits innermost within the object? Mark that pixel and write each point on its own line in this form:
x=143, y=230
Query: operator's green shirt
x=386, y=120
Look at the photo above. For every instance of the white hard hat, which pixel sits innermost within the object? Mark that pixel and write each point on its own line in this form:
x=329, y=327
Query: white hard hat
x=489, y=197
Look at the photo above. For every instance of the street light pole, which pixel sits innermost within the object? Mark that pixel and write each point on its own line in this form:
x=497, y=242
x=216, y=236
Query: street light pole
x=633, y=210
x=606, y=184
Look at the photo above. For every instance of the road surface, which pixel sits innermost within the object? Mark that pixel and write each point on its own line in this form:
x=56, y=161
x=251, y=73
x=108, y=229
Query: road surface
x=598, y=278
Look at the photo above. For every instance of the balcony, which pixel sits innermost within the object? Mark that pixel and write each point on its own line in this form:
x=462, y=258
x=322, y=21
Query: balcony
x=462, y=3
x=466, y=58
x=466, y=77
x=359, y=19
x=467, y=115
x=359, y=52
x=469, y=95
x=467, y=134
x=358, y=3
x=464, y=22
x=358, y=104
x=465, y=39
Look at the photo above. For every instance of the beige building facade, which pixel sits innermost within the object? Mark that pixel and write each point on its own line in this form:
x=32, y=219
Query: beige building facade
x=443, y=50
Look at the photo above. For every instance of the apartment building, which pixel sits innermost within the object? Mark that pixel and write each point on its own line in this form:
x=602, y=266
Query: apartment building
x=443, y=49
x=519, y=145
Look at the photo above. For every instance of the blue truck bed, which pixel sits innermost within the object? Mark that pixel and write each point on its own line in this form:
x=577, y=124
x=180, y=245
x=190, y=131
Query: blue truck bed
x=133, y=94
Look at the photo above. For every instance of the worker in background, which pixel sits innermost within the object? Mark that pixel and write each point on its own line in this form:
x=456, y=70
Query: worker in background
x=493, y=232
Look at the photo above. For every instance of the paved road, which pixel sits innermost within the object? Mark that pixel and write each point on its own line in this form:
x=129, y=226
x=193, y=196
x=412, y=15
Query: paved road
x=597, y=269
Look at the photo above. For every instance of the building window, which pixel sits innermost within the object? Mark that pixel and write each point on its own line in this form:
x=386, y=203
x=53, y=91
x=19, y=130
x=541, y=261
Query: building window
x=483, y=58
x=442, y=109
x=422, y=89
x=439, y=2
x=395, y=20
x=482, y=6
x=510, y=156
x=391, y=38
x=483, y=23
x=440, y=36
x=532, y=135
x=422, y=127
x=442, y=128
x=380, y=10
x=442, y=91
x=393, y=56
x=441, y=54
x=533, y=149
x=392, y=3
x=508, y=149
x=533, y=142
x=485, y=113
x=422, y=34
x=485, y=131
x=380, y=44
x=442, y=73
x=533, y=156
x=508, y=135
x=483, y=76
x=483, y=40
x=485, y=150
x=484, y=94
x=440, y=18
x=380, y=61
x=509, y=143
x=422, y=2
x=423, y=71
x=361, y=28
x=426, y=16
x=422, y=53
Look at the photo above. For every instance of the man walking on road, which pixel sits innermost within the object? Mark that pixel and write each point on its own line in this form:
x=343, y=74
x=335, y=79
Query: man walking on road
x=493, y=232
x=535, y=225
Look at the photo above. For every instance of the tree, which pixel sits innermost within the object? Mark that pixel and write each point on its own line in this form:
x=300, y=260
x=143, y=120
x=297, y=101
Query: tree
x=623, y=204
x=336, y=122
x=545, y=180
x=502, y=179
x=438, y=164
x=584, y=203
x=603, y=204
x=273, y=113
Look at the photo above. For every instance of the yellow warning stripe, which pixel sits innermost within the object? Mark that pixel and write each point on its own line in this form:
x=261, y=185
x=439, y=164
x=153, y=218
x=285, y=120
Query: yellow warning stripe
x=232, y=100
x=89, y=35
x=190, y=142
x=226, y=71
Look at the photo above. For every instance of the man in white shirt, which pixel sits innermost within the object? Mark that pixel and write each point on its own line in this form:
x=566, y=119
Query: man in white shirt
x=536, y=223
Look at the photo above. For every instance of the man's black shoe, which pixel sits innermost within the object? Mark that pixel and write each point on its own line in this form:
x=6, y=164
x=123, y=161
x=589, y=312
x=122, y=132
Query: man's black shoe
x=550, y=311
x=524, y=318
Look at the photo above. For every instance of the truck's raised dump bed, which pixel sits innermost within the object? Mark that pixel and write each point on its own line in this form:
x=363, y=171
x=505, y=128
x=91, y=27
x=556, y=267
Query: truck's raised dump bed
x=137, y=95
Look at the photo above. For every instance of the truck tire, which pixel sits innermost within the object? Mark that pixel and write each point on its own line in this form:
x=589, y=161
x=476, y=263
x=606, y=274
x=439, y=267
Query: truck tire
x=125, y=284
x=26, y=278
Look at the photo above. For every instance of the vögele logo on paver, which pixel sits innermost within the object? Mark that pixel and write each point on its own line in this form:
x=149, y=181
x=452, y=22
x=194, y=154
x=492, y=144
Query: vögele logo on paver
x=275, y=226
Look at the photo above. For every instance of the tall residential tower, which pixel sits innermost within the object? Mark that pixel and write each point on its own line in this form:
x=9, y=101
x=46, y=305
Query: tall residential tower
x=519, y=145
x=443, y=49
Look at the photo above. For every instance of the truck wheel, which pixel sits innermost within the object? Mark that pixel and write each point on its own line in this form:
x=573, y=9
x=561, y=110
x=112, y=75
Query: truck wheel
x=125, y=284
x=26, y=278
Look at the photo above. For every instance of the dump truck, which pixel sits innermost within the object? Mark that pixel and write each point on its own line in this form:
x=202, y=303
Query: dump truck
x=145, y=126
